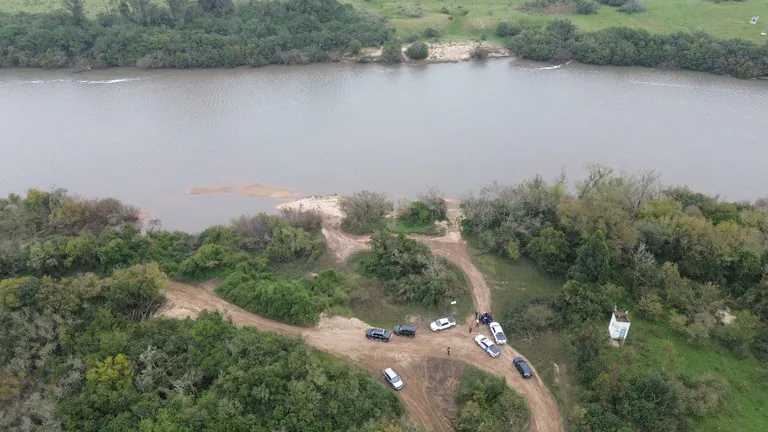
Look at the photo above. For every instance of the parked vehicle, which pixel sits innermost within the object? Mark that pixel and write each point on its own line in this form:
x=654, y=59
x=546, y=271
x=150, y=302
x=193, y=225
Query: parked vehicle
x=488, y=346
x=378, y=334
x=392, y=378
x=522, y=366
x=498, y=333
x=405, y=330
x=485, y=318
x=443, y=323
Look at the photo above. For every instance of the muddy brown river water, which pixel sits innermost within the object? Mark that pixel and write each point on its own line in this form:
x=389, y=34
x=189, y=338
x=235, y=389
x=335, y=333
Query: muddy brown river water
x=151, y=137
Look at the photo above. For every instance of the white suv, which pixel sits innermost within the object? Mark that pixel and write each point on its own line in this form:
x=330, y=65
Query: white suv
x=498, y=333
x=392, y=378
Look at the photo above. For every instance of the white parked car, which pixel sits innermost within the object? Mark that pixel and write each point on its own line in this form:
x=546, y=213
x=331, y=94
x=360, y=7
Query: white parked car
x=488, y=346
x=392, y=378
x=443, y=323
x=498, y=333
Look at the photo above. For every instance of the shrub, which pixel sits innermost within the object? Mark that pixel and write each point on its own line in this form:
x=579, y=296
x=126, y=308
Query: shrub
x=308, y=220
x=392, y=52
x=479, y=53
x=505, y=29
x=631, y=7
x=586, y=7
x=417, y=51
x=354, y=46
x=411, y=12
x=363, y=208
x=431, y=33
x=513, y=250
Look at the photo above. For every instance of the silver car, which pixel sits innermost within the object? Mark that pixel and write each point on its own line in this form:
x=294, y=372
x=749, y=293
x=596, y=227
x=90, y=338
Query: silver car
x=392, y=378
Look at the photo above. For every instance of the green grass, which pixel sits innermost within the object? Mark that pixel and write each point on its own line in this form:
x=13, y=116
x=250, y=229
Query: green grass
x=400, y=227
x=724, y=20
x=746, y=406
x=652, y=346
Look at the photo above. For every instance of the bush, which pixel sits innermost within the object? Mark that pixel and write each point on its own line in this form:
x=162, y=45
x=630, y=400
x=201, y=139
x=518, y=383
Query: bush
x=354, y=47
x=363, y=208
x=484, y=402
x=586, y=7
x=513, y=250
x=410, y=272
x=431, y=33
x=479, y=52
x=417, y=51
x=505, y=29
x=308, y=220
x=411, y=12
x=614, y=3
x=392, y=52
x=631, y=7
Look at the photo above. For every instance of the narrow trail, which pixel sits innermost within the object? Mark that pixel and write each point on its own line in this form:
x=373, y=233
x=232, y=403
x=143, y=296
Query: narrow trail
x=343, y=337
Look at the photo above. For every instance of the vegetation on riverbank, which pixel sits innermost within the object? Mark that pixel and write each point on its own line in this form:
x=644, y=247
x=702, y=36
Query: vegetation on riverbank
x=366, y=212
x=79, y=284
x=485, y=403
x=676, y=259
x=182, y=34
x=559, y=41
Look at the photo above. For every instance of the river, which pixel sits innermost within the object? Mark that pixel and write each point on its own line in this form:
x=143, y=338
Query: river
x=147, y=137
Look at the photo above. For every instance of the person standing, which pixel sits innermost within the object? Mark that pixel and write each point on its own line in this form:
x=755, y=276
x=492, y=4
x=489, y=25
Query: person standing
x=470, y=329
x=449, y=350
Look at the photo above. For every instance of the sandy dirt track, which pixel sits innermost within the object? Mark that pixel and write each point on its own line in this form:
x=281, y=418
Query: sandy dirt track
x=420, y=361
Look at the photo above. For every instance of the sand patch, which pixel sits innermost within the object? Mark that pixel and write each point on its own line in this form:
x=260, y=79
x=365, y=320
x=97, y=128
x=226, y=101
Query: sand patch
x=439, y=52
x=327, y=205
x=255, y=190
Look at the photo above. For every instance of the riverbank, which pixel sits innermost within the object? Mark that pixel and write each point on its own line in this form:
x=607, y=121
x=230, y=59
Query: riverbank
x=439, y=52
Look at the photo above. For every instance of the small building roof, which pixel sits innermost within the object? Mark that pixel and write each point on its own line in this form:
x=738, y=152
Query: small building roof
x=621, y=316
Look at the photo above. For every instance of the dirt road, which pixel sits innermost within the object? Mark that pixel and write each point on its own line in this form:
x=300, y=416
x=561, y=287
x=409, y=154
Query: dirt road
x=429, y=387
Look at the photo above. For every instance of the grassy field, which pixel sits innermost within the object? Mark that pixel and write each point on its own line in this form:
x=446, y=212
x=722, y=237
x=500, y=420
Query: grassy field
x=726, y=19
x=651, y=346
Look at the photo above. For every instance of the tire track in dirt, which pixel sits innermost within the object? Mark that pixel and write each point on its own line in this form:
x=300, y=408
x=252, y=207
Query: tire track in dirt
x=344, y=337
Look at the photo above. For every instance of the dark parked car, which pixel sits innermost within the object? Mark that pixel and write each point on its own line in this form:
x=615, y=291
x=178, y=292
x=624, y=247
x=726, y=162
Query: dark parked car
x=378, y=334
x=405, y=330
x=522, y=367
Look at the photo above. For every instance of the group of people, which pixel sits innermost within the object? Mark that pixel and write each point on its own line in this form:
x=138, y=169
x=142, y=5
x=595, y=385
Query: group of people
x=477, y=324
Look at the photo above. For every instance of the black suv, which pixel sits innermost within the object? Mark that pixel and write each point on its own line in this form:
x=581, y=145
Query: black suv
x=405, y=330
x=378, y=334
x=522, y=367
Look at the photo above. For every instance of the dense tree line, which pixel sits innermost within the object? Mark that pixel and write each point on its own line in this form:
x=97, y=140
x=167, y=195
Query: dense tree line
x=186, y=34
x=79, y=282
x=560, y=41
x=411, y=273
x=55, y=233
x=677, y=257
x=485, y=403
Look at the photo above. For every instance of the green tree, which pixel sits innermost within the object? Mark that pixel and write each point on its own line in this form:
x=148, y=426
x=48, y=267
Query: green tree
x=392, y=52
x=137, y=291
x=77, y=9
x=354, y=47
x=580, y=302
x=417, y=51
x=593, y=261
x=550, y=251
